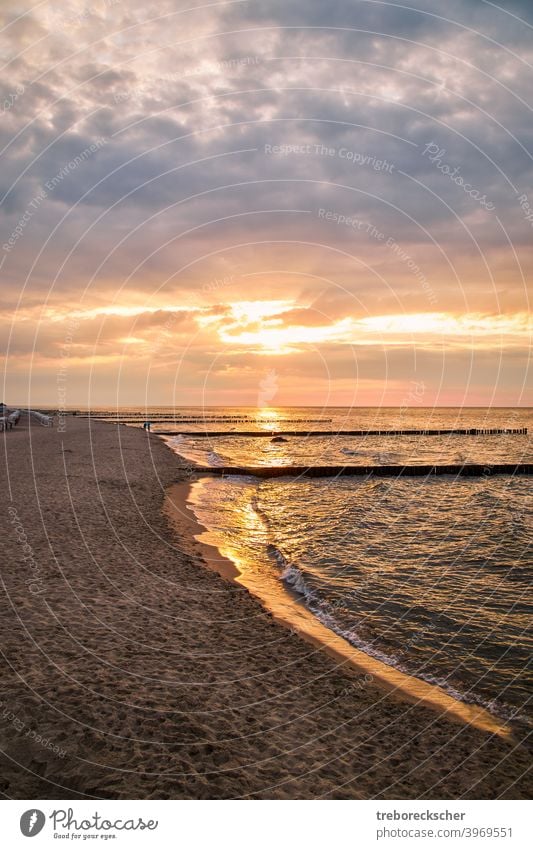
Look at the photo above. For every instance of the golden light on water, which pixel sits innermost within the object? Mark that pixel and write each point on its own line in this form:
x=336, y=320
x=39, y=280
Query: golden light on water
x=268, y=418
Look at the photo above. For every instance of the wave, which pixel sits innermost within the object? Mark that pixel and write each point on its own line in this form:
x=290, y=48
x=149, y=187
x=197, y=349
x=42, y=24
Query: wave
x=215, y=459
x=292, y=542
x=294, y=579
x=386, y=457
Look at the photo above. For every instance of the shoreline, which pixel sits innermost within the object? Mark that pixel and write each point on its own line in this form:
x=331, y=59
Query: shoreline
x=291, y=613
x=130, y=669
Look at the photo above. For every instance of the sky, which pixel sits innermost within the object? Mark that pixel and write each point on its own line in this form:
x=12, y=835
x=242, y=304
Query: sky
x=266, y=203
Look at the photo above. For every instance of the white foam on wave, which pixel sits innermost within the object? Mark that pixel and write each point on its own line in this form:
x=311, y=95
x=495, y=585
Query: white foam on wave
x=292, y=574
x=386, y=457
x=294, y=578
x=296, y=581
x=214, y=459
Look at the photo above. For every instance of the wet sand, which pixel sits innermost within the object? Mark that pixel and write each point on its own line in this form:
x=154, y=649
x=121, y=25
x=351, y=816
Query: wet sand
x=132, y=670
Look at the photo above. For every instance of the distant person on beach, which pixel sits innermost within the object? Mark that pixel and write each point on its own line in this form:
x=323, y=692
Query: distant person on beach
x=147, y=426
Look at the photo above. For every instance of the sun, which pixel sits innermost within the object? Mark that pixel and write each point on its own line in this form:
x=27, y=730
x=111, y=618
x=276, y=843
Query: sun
x=260, y=326
x=268, y=418
x=248, y=312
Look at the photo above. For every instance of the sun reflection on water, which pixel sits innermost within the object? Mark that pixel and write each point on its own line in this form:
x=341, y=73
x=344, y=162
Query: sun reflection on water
x=268, y=418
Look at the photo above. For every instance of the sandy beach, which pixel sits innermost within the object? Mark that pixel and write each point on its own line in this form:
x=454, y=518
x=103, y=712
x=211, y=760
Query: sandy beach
x=130, y=669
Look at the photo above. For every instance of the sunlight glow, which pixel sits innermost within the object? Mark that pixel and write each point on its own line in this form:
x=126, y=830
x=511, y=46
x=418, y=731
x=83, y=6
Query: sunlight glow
x=283, y=340
x=268, y=336
x=249, y=311
x=447, y=324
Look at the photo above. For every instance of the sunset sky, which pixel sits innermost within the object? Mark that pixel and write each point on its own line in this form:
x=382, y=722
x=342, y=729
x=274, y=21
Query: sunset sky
x=330, y=200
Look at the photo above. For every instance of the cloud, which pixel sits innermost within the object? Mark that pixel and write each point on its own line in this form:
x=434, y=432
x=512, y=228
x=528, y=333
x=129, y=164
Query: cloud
x=225, y=130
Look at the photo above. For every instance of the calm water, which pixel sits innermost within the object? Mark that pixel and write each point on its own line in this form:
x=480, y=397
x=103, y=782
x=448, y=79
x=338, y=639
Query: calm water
x=430, y=576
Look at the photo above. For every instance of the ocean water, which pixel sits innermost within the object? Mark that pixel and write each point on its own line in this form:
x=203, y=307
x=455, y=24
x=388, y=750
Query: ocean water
x=431, y=576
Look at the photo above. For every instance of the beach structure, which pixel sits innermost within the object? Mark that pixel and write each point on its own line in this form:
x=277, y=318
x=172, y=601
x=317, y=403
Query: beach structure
x=42, y=418
x=10, y=417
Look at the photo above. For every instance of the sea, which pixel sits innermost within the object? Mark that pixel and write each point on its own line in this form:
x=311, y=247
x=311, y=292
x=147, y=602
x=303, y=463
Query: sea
x=429, y=574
